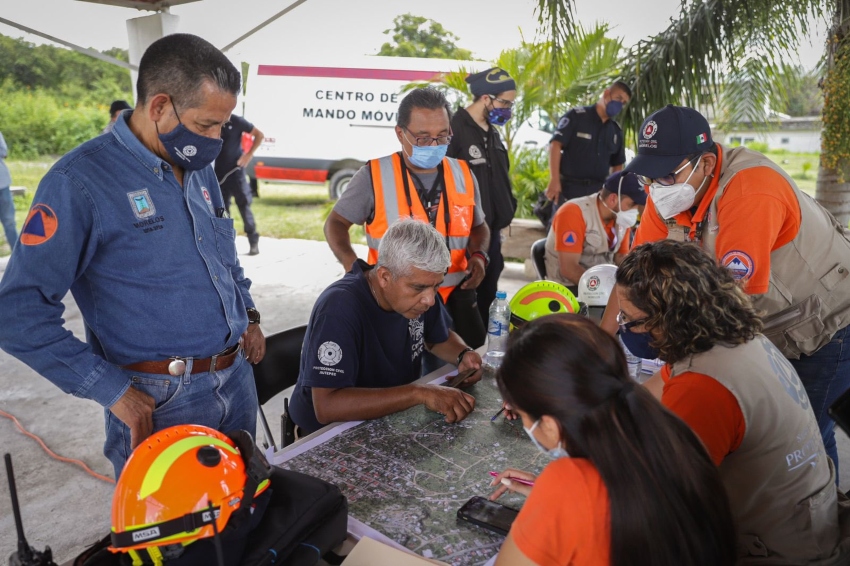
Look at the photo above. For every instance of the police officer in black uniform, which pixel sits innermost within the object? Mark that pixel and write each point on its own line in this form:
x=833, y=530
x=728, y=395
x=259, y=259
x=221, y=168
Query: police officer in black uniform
x=479, y=143
x=587, y=146
x=230, y=170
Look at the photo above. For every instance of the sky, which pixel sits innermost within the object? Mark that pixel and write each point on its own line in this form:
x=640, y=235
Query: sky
x=324, y=31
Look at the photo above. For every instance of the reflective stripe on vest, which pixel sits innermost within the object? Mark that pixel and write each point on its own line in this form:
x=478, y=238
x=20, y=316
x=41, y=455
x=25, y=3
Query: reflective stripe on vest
x=390, y=205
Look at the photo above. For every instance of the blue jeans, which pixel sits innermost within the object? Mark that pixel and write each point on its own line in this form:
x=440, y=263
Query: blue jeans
x=826, y=375
x=7, y=216
x=225, y=400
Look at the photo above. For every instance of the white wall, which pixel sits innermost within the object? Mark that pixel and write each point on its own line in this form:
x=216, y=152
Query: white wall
x=795, y=141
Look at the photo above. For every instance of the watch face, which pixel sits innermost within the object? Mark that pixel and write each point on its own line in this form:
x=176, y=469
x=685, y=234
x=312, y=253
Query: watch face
x=253, y=316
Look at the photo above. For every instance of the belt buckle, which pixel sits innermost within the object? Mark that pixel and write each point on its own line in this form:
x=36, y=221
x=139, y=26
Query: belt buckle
x=213, y=361
x=177, y=367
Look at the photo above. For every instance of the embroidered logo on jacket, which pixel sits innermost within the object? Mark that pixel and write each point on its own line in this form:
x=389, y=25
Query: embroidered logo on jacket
x=142, y=204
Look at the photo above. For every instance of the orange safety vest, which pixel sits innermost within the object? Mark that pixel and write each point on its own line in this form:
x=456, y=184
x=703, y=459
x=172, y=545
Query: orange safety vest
x=390, y=205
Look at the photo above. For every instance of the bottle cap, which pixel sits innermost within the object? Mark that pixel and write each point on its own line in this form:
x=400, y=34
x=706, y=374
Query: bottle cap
x=501, y=295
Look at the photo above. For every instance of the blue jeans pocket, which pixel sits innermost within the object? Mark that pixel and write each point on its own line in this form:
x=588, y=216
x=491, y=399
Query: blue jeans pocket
x=163, y=391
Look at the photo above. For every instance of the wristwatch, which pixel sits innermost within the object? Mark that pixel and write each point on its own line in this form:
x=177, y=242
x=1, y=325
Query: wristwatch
x=484, y=256
x=253, y=315
x=462, y=353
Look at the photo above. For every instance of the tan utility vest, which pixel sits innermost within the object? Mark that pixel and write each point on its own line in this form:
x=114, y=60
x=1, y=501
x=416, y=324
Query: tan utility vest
x=809, y=295
x=595, y=249
x=780, y=482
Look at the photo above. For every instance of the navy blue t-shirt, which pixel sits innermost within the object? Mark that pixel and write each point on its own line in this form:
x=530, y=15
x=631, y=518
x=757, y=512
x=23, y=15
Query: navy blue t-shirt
x=231, y=147
x=353, y=342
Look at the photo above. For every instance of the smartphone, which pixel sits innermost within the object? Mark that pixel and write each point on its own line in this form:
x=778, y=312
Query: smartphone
x=840, y=411
x=456, y=380
x=488, y=514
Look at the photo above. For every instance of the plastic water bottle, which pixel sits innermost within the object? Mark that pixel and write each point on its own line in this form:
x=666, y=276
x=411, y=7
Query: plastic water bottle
x=497, y=330
x=634, y=364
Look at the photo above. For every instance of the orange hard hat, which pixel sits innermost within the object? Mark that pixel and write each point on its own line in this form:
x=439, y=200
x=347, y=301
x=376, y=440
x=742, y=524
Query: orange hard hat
x=165, y=491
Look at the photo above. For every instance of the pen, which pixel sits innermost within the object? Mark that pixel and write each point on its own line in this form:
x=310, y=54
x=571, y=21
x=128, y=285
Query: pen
x=529, y=483
x=496, y=416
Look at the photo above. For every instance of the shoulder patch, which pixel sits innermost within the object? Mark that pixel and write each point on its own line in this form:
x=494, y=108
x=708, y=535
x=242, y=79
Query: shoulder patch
x=569, y=238
x=474, y=152
x=41, y=224
x=562, y=123
x=739, y=263
x=330, y=353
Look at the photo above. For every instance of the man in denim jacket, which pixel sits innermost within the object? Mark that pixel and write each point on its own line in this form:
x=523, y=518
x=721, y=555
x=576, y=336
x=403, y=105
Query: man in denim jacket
x=132, y=224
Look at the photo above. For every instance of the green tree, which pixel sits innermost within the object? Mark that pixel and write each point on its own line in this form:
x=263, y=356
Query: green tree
x=717, y=42
x=803, y=96
x=415, y=36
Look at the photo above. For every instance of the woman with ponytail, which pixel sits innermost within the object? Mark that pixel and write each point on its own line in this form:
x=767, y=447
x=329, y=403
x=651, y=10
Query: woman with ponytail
x=629, y=485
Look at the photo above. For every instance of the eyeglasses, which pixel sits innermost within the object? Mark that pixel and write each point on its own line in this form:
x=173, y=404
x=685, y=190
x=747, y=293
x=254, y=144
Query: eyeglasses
x=502, y=101
x=670, y=178
x=624, y=326
x=426, y=141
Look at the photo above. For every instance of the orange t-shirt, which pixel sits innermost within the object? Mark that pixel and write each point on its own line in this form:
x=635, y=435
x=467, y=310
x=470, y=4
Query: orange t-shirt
x=570, y=228
x=758, y=213
x=566, y=519
x=710, y=409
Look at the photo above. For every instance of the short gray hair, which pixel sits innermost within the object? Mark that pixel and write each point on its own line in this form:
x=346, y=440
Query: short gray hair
x=411, y=243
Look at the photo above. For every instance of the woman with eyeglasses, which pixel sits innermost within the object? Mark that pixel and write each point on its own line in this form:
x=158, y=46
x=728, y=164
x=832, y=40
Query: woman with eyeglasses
x=629, y=483
x=741, y=397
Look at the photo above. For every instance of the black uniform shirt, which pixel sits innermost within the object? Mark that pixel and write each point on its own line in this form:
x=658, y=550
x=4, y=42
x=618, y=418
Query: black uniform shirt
x=488, y=159
x=231, y=149
x=590, y=146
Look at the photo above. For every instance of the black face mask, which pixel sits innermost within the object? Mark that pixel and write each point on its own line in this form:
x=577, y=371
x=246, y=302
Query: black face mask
x=189, y=150
x=638, y=344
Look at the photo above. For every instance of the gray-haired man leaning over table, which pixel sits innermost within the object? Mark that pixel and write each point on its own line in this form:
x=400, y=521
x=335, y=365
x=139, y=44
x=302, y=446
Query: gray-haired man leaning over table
x=367, y=333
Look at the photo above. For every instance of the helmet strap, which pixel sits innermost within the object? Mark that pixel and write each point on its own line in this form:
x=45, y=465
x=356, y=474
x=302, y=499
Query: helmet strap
x=219, y=553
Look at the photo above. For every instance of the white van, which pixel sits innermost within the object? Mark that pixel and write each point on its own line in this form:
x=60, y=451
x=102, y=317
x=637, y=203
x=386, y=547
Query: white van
x=323, y=123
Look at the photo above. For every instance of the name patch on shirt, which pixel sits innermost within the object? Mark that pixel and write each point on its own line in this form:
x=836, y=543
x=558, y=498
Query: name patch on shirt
x=584, y=135
x=142, y=204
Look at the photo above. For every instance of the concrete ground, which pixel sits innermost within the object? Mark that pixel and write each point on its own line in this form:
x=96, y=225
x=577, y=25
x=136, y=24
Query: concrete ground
x=66, y=508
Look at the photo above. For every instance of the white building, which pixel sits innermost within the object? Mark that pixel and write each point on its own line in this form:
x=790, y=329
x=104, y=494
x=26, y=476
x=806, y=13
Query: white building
x=798, y=135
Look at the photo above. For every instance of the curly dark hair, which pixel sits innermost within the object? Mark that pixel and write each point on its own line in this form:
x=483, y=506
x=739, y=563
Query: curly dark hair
x=693, y=301
x=667, y=500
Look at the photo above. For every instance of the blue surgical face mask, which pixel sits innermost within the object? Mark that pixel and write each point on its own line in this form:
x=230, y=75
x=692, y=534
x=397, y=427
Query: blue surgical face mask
x=638, y=343
x=187, y=149
x=613, y=108
x=554, y=453
x=427, y=157
x=499, y=116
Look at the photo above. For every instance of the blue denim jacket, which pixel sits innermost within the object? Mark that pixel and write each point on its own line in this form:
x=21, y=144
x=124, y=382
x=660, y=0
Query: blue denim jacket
x=152, y=269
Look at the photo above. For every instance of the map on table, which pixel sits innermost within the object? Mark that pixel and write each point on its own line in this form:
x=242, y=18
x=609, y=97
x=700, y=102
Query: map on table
x=406, y=475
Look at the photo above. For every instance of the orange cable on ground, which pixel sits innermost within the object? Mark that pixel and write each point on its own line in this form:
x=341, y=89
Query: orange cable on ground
x=52, y=453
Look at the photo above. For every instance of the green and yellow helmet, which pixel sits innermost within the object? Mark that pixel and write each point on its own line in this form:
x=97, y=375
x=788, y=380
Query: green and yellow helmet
x=539, y=299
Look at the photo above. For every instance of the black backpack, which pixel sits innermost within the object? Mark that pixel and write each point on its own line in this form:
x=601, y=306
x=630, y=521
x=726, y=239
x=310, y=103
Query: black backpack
x=304, y=518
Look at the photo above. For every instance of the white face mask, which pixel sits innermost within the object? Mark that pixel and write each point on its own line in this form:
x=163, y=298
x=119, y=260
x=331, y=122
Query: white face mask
x=670, y=200
x=627, y=218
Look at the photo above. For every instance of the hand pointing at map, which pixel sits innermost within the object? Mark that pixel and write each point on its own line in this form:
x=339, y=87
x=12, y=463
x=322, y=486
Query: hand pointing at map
x=454, y=404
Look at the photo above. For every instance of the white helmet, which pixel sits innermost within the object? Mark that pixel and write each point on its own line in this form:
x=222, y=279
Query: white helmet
x=596, y=285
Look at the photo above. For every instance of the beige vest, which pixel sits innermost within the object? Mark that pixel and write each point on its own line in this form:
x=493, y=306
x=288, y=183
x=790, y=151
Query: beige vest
x=809, y=295
x=781, y=484
x=594, y=251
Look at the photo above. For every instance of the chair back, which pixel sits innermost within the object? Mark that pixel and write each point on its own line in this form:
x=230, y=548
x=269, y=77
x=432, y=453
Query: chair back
x=279, y=367
x=538, y=255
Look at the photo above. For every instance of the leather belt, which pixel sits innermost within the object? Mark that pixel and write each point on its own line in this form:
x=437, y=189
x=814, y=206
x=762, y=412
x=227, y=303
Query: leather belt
x=176, y=366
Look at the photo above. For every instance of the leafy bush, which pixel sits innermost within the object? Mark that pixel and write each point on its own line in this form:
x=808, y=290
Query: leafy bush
x=529, y=177
x=35, y=123
x=760, y=147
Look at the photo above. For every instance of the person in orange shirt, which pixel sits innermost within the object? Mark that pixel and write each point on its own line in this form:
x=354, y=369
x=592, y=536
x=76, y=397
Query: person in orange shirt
x=628, y=481
x=593, y=229
x=743, y=399
x=785, y=250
